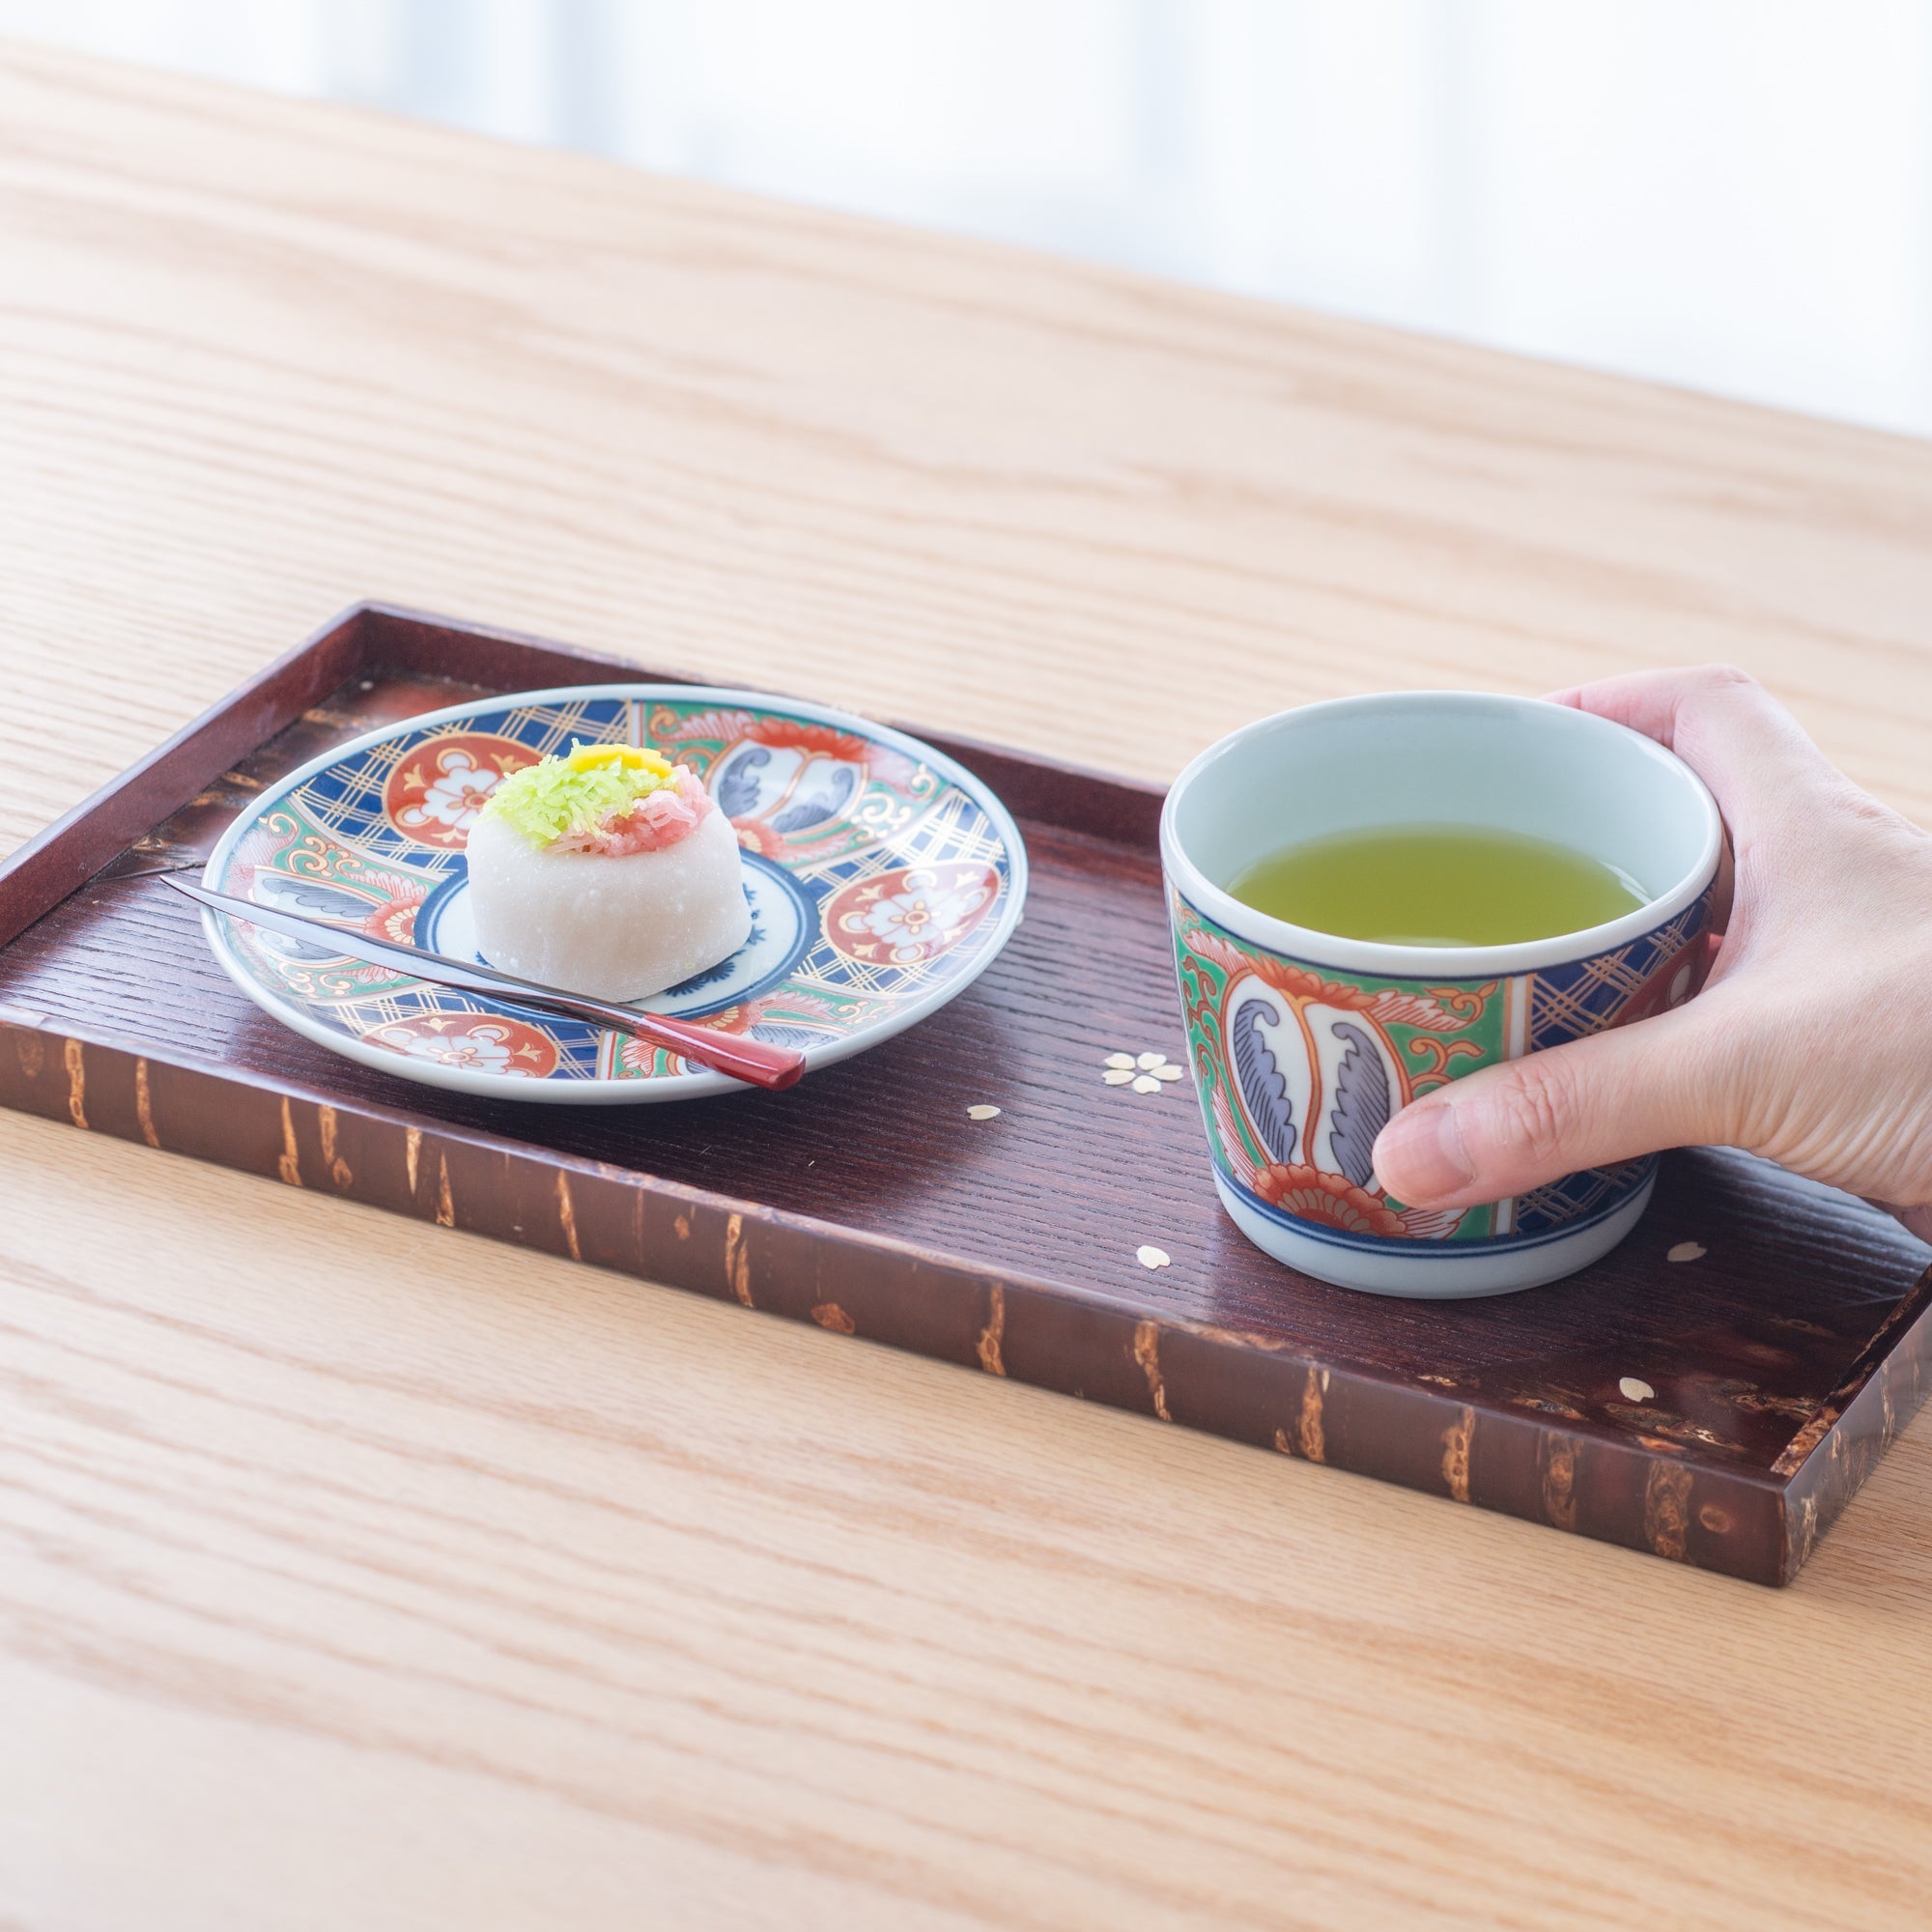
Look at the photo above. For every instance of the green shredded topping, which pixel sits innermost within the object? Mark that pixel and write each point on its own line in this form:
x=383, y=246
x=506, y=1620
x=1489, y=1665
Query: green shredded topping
x=552, y=798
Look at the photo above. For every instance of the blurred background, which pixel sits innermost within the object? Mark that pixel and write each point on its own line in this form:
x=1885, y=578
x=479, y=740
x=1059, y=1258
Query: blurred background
x=1735, y=195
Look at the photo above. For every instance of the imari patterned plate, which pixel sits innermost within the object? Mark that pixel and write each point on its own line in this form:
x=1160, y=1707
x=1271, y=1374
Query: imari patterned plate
x=883, y=878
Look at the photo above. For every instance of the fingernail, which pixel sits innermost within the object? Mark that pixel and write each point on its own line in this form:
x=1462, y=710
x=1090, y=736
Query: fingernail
x=1420, y=1155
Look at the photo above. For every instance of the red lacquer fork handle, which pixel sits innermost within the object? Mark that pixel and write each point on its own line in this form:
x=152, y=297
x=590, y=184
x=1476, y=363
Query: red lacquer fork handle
x=736, y=1053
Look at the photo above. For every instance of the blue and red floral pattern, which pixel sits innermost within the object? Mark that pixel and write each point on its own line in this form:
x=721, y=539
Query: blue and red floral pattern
x=876, y=875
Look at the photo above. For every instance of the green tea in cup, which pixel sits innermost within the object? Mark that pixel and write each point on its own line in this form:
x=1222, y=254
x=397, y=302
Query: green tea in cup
x=1438, y=885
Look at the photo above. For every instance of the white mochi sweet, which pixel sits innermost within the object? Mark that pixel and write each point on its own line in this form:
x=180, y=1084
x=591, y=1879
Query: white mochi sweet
x=618, y=926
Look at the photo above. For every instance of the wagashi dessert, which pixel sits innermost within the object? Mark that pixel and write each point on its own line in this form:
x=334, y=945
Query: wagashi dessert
x=607, y=871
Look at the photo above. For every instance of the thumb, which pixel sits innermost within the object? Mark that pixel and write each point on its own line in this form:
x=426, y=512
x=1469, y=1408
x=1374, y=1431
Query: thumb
x=1591, y=1102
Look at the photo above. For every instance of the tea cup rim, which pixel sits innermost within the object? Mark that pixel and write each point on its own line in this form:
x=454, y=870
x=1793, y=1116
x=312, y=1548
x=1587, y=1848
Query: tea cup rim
x=1435, y=962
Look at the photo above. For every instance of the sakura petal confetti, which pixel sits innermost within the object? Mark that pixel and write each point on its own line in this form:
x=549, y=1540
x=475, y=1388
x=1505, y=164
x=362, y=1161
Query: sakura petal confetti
x=982, y=1113
x=1150, y=1257
x=1144, y=1073
x=1634, y=1390
x=1688, y=1251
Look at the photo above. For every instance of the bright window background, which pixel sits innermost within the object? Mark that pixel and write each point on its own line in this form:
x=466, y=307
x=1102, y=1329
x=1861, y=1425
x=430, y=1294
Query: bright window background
x=1731, y=194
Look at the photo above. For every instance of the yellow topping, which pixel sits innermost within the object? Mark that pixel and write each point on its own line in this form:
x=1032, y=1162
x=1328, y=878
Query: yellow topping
x=623, y=758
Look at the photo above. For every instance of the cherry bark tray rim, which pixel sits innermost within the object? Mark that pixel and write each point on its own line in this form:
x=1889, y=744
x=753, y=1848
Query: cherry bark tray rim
x=1242, y=1347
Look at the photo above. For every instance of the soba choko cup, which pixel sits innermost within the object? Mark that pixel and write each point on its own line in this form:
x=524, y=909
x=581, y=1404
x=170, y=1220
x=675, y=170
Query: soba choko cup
x=1304, y=1045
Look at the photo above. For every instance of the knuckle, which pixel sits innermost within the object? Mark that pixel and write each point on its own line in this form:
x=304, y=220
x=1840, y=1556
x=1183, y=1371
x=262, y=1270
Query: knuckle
x=1716, y=679
x=1857, y=806
x=1535, y=1109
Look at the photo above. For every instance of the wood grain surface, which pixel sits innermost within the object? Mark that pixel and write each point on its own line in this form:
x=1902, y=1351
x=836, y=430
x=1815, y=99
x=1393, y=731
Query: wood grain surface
x=354, y=1572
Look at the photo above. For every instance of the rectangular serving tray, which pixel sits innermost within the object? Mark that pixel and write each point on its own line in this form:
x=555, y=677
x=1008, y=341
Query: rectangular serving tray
x=1778, y=1364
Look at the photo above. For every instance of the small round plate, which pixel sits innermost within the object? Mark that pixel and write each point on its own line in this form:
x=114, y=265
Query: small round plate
x=883, y=878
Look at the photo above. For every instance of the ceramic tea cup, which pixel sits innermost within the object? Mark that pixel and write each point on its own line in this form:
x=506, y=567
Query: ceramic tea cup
x=1304, y=1045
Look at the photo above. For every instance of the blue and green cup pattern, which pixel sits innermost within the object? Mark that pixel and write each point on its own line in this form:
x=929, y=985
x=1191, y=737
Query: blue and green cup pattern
x=1298, y=1067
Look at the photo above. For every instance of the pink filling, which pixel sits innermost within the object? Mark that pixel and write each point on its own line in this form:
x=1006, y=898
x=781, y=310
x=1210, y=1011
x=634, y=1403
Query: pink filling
x=672, y=813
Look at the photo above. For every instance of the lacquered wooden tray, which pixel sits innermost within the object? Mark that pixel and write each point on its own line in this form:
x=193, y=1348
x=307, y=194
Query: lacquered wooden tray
x=1781, y=1363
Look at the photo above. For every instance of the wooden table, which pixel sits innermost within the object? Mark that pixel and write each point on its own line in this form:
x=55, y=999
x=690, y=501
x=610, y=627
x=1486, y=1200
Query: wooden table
x=356, y=1573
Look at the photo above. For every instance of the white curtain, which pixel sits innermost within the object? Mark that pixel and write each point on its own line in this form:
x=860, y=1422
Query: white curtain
x=1733, y=194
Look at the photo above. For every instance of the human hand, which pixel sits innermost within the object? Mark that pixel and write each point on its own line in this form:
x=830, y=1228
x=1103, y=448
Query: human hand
x=1811, y=1042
